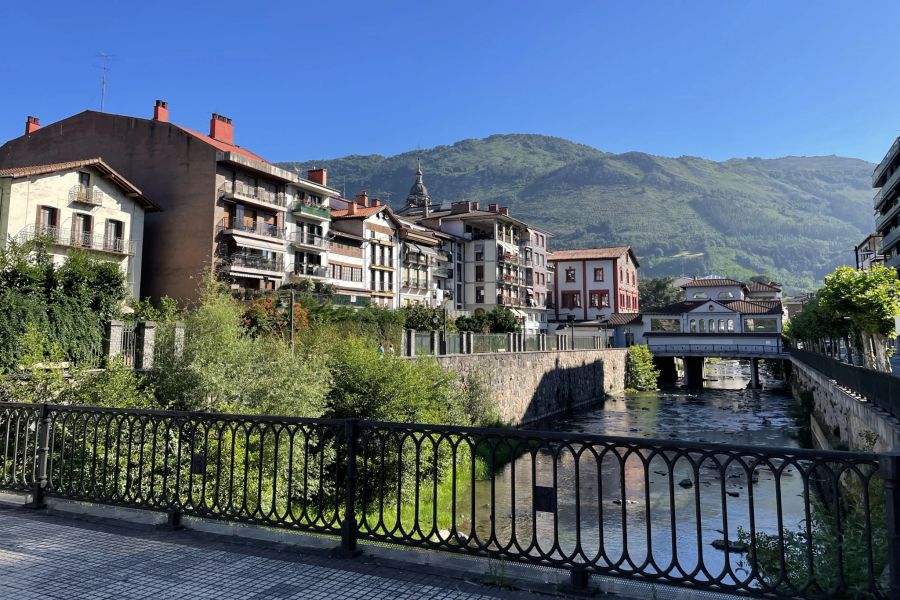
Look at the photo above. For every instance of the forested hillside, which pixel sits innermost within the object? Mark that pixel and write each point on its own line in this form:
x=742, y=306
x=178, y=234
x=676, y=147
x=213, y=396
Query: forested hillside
x=794, y=219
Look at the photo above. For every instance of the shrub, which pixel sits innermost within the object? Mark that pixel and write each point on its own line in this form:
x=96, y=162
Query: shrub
x=640, y=372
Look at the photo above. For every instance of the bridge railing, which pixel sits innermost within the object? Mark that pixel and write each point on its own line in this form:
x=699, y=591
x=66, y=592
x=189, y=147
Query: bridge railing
x=718, y=349
x=780, y=522
x=882, y=389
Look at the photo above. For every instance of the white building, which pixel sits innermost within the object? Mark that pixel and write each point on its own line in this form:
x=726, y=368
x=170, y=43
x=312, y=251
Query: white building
x=83, y=205
x=594, y=283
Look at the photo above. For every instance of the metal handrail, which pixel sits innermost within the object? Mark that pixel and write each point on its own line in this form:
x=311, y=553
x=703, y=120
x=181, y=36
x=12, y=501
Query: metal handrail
x=358, y=474
x=254, y=261
x=86, y=195
x=311, y=239
x=253, y=193
x=77, y=239
x=257, y=227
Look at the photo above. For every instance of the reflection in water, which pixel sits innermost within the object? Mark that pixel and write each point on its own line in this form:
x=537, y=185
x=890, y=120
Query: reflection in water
x=640, y=509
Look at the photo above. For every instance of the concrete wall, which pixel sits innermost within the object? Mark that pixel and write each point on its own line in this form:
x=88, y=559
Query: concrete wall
x=530, y=386
x=838, y=417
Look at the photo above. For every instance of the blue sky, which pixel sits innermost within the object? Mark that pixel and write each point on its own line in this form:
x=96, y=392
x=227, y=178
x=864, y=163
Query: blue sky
x=306, y=80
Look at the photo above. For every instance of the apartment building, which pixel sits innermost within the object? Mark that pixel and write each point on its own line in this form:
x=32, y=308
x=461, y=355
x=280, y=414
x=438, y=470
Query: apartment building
x=422, y=265
x=594, y=283
x=886, y=178
x=225, y=209
x=347, y=269
x=84, y=205
x=378, y=228
x=494, y=268
x=868, y=252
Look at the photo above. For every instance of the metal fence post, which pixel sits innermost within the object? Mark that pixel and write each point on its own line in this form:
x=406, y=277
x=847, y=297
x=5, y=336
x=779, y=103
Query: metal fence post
x=41, y=459
x=349, y=527
x=889, y=470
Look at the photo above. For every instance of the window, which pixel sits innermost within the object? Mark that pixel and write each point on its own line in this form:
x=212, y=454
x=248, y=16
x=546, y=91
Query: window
x=670, y=325
x=570, y=274
x=84, y=179
x=479, y=295
x=47, y=219
x=598, y=274
x=599, y=299
x=721, y=325
x=702, y=326
x=479, y=254
x=115, y=232
x=725, y=295
x=479, y=272
x=761, y=325
x=700, y=296
x=693, y=325
x=730, y=324
x=571, y=299
x=81, y=230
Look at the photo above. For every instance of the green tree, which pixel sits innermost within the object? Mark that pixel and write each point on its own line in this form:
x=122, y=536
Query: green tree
x=656, y=292
x=640, y=372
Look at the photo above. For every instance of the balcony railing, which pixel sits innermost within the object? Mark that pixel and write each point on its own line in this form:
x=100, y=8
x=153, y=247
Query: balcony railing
x=86, y=195
x=890, y=239
x=310, y=270
x=442, y=272
x=887, y=190
x=308, y=208
x=882, y=220
x=887, y=160
x=509, y=258
x=77, y=239
x=420, y=284
x=242, y=191
x=245, y=260
x=382, y=287
x=255, y=227
x=310, y=239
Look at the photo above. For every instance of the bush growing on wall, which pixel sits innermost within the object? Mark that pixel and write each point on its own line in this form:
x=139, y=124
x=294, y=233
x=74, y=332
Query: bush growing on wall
x=640, y=372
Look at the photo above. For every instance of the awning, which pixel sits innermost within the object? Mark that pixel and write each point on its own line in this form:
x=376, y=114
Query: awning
x=248, y=242
x=509, y=247
x=518, y=312
x=421, y=249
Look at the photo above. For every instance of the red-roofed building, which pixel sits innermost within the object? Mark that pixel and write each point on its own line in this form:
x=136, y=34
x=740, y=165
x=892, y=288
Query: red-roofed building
x=226, y=210
x=594, y=283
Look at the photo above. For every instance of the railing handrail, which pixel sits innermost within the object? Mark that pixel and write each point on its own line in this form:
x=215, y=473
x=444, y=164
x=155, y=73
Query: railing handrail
x=258, y=227
x=257, y=193
x=62, y=236
x=86, y=194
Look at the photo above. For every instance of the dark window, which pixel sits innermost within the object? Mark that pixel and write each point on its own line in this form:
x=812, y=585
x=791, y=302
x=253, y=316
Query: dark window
x=571, y=299
x=84, y=179
x=598, y=274
x=570, y=274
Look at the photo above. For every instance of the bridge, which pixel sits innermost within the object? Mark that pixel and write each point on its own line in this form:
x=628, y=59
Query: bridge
x=721, y=350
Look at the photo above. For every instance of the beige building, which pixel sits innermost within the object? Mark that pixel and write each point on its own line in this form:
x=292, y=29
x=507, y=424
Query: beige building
x=83, y=205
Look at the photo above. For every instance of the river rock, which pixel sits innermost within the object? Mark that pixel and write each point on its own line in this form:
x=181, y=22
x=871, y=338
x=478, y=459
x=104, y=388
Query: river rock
x=686, y=483
x=733, y=546
x=733, y=494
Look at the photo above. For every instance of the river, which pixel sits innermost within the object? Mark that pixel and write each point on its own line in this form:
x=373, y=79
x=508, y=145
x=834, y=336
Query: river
x=651, y=525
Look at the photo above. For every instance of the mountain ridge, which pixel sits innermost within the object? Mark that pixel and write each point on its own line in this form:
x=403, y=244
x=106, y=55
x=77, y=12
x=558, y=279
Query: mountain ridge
x=793, y=218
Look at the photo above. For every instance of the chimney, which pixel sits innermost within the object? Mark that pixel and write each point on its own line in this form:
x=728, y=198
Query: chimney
x=319, y=176
x=376, y=202
x=362, y=198
x=220, y=128
x=459, y=207
x=351, y=208
x=504, y=210
x=492, y=207
x=474, y=206
x=161, y=111
x=32, y=124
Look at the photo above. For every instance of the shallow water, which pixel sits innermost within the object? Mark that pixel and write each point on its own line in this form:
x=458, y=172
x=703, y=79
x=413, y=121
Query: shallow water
x=625, y=510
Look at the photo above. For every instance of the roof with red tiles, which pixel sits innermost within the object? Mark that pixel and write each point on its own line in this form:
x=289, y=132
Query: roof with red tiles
x=97, y=163
x=220, y=145
x=713, y=282
x=361, y=212
x=588, y=253
x=759, y=286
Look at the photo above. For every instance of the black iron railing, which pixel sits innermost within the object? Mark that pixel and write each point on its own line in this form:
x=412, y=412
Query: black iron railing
x=882, y=389
x=757, y=521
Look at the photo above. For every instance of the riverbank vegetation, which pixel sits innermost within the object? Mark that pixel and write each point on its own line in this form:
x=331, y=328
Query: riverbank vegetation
x=641, y=374
x=854, y=309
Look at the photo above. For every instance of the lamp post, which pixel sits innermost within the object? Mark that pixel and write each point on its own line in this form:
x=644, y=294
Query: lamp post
x=570, y=318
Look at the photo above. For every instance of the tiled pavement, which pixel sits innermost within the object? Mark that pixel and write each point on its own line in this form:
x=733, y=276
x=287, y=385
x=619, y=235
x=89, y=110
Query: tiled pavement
x=51, y=557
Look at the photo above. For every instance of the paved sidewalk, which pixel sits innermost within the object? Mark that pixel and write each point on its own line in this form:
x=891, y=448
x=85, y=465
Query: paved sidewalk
x=52, y=557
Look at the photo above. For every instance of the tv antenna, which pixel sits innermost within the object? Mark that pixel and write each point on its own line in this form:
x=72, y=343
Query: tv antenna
x=104, y=71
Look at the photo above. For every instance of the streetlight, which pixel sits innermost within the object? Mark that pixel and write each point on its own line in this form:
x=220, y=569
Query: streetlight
x=570, y=318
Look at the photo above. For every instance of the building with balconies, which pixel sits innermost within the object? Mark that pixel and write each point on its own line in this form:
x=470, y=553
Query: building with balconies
x=376, y=225
x=886, y=178
x=226, y=210
x=420, y=259
x=868, y=252
x=84, y=205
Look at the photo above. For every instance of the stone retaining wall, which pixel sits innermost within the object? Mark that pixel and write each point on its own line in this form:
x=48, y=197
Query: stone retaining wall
x=530, y=386
x=839, y=417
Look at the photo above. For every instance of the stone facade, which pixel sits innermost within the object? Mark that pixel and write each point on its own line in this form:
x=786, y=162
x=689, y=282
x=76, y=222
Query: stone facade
x=530, y=386
x=839, y=418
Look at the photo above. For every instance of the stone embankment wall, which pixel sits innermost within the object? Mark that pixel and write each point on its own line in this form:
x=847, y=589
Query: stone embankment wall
x=840, y=418
x=530, y=386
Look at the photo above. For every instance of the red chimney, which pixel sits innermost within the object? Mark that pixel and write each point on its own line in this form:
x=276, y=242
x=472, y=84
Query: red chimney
x=32, y=124
x=363, y=198
x=351, y=208
x=161, y=111
x=319, y=176
x=492, y=207
x=504, y=210
x=376, y=202
x=220, y=128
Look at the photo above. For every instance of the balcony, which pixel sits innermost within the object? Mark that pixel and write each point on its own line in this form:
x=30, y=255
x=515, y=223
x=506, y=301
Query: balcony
x=416, y=284
x=242, y=192
x=442, y=272
x=90, y=195
x=886, y=161
x=307, y=208
x=303, y=238
x=509, y=258
x=882, y=220
x=245, y=260
x=415, y=258
x=310, y=270
x=888, y=189
x=72, y=238
x=382, y=288
x=231, y=226
x=890, y=239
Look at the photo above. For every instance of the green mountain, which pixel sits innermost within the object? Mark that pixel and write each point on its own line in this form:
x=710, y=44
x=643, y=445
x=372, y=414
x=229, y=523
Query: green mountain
x=794, y=219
